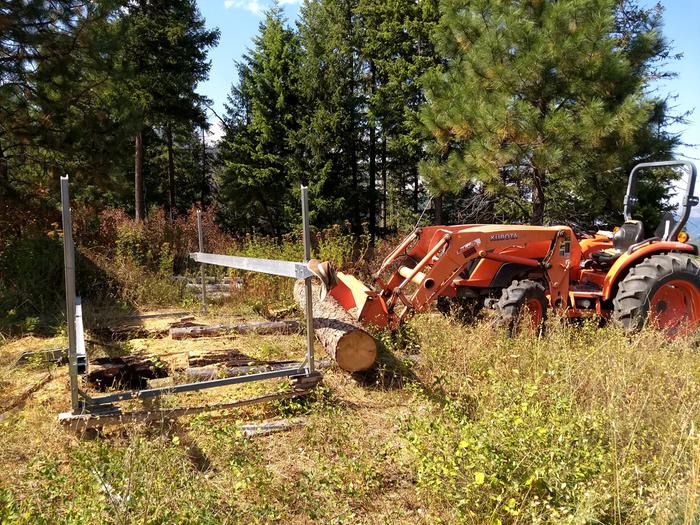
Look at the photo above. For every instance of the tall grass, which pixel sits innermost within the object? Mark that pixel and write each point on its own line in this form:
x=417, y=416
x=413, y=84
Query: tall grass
x=583, y=425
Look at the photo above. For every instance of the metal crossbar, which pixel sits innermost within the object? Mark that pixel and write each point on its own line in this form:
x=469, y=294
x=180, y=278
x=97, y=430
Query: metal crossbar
x=193, y=387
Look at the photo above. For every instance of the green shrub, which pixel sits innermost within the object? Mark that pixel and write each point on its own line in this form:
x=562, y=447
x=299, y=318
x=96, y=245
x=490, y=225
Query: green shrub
x=341, y=247
x=9, y=508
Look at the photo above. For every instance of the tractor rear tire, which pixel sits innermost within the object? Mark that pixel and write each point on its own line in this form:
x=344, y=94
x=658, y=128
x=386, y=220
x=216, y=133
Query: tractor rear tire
x=520, y=300
x=462, y=309
x=663, y=289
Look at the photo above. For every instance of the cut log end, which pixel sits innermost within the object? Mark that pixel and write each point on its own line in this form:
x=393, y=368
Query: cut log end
x=356, y=351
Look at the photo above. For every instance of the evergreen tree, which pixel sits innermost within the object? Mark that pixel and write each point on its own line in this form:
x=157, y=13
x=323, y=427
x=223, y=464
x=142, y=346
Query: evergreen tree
x=59, y=112
x=536, y=99
x=330, y=133
x=396, y=48
x=187, y=163
x=261, y=166
x=166, y=49
x=598, y=196
x=361, y=60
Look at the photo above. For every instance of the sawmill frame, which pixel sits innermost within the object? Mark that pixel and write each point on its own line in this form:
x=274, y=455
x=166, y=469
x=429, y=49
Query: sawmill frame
x=93, y=411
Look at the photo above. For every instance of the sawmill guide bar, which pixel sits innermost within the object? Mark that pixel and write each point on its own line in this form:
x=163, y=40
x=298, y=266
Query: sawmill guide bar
x=89, y=411
x=269, y=266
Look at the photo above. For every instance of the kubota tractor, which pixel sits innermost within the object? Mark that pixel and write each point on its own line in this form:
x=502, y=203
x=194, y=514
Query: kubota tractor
x=629, y=275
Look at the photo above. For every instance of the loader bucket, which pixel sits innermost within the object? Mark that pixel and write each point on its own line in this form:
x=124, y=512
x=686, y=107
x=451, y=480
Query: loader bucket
x=365, y=305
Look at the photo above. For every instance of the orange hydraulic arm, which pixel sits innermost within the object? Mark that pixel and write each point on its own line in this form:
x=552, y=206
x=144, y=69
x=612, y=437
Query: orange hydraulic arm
x=431, y=261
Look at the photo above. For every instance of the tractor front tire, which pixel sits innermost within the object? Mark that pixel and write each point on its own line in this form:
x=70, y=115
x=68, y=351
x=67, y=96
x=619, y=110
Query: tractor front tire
x=663, y=290
x=522, y=301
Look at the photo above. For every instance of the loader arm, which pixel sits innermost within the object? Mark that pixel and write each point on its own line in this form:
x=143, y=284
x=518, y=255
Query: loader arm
x=432, y=261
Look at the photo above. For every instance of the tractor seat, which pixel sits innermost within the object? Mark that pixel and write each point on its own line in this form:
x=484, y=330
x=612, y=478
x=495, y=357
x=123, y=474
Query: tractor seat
x=630, y=233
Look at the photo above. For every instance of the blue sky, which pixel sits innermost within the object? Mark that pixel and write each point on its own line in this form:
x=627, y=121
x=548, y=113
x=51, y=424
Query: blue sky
x=238, y=21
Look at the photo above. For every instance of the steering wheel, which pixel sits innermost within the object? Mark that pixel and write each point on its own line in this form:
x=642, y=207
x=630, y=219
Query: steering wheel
x=579, y=231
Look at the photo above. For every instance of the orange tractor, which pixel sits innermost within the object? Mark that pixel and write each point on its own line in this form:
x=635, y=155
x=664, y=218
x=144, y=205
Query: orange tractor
x=520, y=270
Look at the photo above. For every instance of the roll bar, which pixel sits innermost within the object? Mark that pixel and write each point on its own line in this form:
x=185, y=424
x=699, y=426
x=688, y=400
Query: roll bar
x=689, y=200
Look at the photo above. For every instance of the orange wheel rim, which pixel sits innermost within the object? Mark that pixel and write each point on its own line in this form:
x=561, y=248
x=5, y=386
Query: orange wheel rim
x=534, y=312
x=675, y=308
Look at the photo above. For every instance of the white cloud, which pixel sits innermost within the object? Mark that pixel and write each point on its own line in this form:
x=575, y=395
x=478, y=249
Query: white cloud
x=255, y=6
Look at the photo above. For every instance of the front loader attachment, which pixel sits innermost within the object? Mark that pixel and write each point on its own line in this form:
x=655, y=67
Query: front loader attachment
x=365, y=305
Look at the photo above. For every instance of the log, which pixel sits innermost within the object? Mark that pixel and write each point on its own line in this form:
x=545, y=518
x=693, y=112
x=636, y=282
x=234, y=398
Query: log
x=340, y=334
x=125, y=333
x=260, y=328
x=230, y=357
x=200, y=373
x=205, y=373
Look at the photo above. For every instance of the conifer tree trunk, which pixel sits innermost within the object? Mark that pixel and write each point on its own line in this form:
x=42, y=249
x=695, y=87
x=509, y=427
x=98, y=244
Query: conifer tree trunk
x=372, y=181
x=538, y=197
x=352, y=135
x=384, y=180
x=171, y=170
x=3, y=168
x=372, y=161
x=204, y=168
x=437, y=203
x=138, y=177
x=415, y=189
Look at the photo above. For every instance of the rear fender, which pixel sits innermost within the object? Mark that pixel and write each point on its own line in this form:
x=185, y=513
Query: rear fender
x=620, y=267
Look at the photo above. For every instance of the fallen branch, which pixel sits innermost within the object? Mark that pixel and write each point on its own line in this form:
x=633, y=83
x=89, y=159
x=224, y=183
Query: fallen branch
x=204, y=373
x=125, y=333
x=19, y=400
x=270, y=427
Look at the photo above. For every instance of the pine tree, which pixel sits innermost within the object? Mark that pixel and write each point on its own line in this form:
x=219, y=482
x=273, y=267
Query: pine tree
x=260, y=164
x=361, y=61
x=598, y=197
x=59, y=112
x=330, y=134
x=535, y=98
x=166, y=49
x=396, y=47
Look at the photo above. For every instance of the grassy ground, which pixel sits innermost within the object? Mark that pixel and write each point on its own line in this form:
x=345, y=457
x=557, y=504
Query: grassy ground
x=455, y=425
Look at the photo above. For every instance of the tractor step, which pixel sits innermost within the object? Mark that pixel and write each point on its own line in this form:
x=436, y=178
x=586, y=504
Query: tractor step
x=585, y=300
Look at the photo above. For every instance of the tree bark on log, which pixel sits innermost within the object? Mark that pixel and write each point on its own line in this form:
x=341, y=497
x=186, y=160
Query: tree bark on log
x=341, y=335
x=200, y=373
x=260, y=328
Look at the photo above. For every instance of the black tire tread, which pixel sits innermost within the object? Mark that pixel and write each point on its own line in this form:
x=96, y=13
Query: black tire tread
x=509, y=306
x=631, y=303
